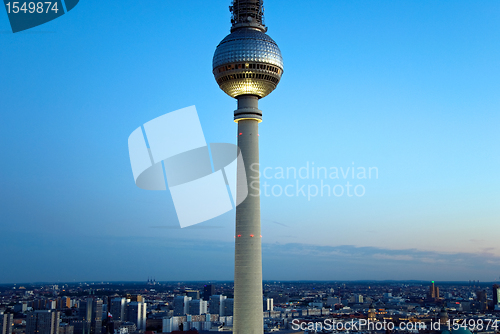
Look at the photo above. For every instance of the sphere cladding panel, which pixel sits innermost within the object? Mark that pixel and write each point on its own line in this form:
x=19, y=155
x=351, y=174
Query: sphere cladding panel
x=247, y=45
x=253, y=47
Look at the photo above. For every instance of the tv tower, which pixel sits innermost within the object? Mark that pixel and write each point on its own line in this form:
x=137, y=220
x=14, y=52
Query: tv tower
x=247, y=65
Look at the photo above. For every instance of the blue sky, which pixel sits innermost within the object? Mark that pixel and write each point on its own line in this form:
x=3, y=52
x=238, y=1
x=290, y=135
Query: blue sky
x=408, y=87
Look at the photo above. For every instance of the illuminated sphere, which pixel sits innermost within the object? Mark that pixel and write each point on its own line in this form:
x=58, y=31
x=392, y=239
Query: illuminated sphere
x=247, y=62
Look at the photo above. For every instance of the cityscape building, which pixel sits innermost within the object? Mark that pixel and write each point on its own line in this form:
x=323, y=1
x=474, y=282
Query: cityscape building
x=181, y=305
x=268, y=304
x=433, y=291
x=197, y=307
x=21, y=307
x=6, y=322
x=496, y=295
x=90, y=317
x=228, y=307
x=482, y=298
x=297, y=301
x=117, y=308
x=193, y=294
x=42, y=322
x=216, y=304
x=65, y=328
x=372, y=313
x=208, y=290
x=443, y=317
x=136, y=313
x=134, y=298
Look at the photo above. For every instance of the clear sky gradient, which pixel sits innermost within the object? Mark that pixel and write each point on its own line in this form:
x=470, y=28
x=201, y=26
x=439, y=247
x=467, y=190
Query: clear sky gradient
x=409, y=87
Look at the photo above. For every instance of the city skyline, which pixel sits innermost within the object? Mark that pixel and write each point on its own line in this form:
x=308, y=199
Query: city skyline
x=404, y=87
x=153, y=307
x=473, y=283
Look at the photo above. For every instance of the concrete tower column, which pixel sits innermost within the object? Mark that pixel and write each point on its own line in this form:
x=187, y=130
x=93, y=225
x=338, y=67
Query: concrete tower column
x=248, y=66
x=248, y=314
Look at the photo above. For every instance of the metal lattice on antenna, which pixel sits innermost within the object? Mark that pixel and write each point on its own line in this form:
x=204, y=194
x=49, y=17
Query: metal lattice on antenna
x=247, y=13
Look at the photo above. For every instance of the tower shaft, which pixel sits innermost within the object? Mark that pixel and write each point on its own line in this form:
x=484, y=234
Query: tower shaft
x=248, y=65
x=248, y=314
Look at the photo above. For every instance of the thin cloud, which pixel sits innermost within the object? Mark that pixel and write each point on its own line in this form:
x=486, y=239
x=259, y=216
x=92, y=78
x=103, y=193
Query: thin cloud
x=275, y=222
x=413, y=261
x=194, y=227
x=393, y=257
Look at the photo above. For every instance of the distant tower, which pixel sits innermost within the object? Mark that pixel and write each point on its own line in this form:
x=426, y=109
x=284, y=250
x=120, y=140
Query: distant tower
x=247, y=65
x=372, y=313
x=433, y=291
x=443, y=317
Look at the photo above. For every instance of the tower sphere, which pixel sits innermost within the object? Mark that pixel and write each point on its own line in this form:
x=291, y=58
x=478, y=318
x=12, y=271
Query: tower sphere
x=247, y=62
